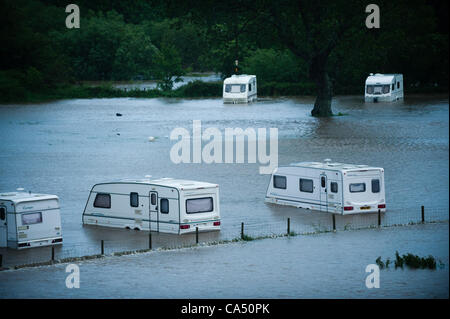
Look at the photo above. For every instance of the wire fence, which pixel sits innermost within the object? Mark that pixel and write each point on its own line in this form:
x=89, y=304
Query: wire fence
x=308, y=223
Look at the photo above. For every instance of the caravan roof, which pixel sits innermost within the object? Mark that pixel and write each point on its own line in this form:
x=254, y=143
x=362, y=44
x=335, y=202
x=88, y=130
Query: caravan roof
x=335, y=166
x=180, y=184
x=239, y=79
x=20, y=197
x=380, y=78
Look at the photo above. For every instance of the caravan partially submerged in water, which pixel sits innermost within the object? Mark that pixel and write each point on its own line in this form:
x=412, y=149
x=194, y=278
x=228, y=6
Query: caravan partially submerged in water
x=239, y=89
x=29, y=220
x=164, y=205
x=328, y=187
x=383, y=87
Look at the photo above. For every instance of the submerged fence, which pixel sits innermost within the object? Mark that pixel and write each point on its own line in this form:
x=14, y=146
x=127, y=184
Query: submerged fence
x=304, y=223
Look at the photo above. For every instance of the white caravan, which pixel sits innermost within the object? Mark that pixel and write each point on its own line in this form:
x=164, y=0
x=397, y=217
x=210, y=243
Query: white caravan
x=328, y=187
x=239, y=89
x=384, y=87
x=29, y=220
x=164, y=205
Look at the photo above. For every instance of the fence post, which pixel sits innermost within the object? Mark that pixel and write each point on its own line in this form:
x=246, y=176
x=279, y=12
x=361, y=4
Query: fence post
x=196, y=235
x=288, y=226
x=423, y=214
x=103, y=247
x=379, y=217
x=334, y=222
x=150, y=240
x=242, y=230
x=53, y=253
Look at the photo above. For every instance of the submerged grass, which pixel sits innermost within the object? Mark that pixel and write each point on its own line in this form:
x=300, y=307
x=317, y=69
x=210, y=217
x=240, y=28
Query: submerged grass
x=409, y=260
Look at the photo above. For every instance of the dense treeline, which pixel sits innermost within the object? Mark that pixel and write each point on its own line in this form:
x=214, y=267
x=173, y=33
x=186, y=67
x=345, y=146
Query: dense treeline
x=162, y=40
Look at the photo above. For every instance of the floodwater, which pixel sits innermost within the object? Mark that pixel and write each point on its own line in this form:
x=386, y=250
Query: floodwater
x=67, y=146
x=316, y=266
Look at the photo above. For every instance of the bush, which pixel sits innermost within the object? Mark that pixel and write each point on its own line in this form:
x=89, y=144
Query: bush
x=272, y=65
x=33, y=79
x=200, y=89
x=11, y=87
x=286, y=89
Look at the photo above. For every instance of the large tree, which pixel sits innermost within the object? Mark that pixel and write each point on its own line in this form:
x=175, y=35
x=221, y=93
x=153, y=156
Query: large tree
x=311, y=30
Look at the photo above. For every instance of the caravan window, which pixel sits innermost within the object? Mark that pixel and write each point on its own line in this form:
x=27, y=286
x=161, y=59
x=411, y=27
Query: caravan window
x=398, y=85
x=279, y=181
x=235, y=88
x=134, y=199
x=393, y=87
x=164, y=204
x=249, y=87
x=2, y=213
x=199, y=205
x=377, y=89
x=334, y=187
x=153, y=199
x=102, y=201
x=375, y=185
x=358, y=188
x=32, y=218
x=306, y=185
x=323, y=181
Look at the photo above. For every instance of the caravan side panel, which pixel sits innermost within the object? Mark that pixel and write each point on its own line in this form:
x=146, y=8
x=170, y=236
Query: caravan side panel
x=167, y=222
x=299, y=189
x=120, y=213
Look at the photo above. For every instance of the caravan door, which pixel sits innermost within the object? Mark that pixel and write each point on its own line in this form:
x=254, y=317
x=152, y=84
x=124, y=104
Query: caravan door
x=323, y=193
x=153, y=215
x=3, y=227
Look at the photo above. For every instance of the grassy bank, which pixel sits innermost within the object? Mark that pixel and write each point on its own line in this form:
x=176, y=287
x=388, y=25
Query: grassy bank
x=195, y=89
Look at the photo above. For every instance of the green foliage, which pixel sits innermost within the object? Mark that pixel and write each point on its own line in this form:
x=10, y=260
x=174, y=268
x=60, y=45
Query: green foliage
x=379, y=262
x=271, y=65
x=286, y=89
x=398, y=260
x=33, y=79
x=162, y=40
x=11, y=87
x=247, y=238
x=188, y=39
x=93, y=47
x=135, y=56
x=168, y=67
x=410, y=260
x=200, y=89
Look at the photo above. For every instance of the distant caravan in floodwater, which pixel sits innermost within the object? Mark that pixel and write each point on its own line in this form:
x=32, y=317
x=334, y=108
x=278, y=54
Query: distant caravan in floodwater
x=328, y=187
x=164, y=205
x=29, y=220
x=239, y=89
x=383, y=87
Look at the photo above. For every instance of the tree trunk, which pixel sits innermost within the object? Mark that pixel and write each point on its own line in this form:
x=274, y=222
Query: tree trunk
x=322, y=105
